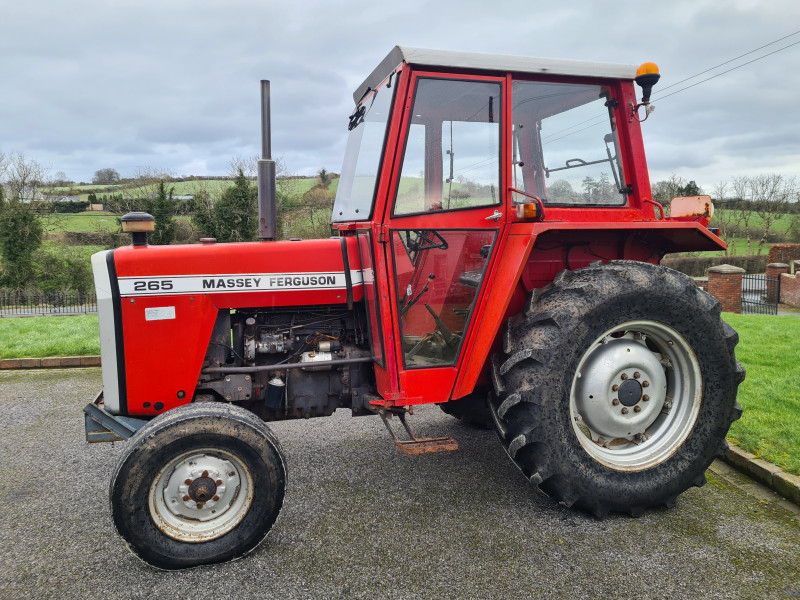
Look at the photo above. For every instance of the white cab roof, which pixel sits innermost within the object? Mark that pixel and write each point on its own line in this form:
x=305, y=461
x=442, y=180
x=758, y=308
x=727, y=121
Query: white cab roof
x=490, y=62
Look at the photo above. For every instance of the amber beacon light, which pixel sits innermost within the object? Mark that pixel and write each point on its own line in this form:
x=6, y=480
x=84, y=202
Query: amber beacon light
x=647, y=76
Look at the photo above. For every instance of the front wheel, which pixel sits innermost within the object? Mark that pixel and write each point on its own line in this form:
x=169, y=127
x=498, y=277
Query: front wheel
x=618, y=387
x=200, y=484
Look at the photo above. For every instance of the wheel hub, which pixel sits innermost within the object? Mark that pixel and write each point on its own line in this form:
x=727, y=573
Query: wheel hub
x=608, y=386
x=201, y=495
x=630, y=392
x=202, y=489
x=635, y=395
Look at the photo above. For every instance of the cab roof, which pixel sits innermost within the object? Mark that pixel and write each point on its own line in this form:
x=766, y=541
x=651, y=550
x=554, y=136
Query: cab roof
x=501, y=63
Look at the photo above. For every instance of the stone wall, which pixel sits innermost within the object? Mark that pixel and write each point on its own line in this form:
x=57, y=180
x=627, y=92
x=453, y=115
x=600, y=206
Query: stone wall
x=725, y=284
x=790, y=287
x=783, y=253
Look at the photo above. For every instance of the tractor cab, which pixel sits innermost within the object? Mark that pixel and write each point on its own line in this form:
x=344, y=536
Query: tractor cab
x=456, y=164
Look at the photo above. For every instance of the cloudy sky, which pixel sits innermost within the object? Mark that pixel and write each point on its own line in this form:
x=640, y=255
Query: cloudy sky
x=173, y=85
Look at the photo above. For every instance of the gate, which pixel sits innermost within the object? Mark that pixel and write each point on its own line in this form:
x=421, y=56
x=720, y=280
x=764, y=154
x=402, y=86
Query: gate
x=760, y=294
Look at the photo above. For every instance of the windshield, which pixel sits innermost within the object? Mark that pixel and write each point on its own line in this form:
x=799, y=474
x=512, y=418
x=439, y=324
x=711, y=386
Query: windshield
x=565, y=147
x=362, y=158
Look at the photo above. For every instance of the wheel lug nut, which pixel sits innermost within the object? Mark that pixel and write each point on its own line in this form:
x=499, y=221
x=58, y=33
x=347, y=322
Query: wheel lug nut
x=645, y=383
x=636, y=375
x=215, y=498
x=614, y=387
x=615, y=401
x=645, y=397
x=624, y=410
x=624, y=376
x=637, y=408
x=188, y=482
x=186, y=498
x=205, y=473
x=218, y=482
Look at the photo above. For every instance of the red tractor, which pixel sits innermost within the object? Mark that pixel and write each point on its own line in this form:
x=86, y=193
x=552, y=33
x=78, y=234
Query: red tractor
x=496, y=253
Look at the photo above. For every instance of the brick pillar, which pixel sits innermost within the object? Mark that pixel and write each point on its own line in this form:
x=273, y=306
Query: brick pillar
x=774, y=272
x=725, y=284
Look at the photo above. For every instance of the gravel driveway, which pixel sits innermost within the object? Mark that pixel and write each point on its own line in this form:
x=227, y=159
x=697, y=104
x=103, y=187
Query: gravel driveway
x=361, y=520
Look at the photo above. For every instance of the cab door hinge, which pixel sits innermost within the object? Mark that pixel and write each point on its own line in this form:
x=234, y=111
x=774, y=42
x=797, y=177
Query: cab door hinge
x=383, y=234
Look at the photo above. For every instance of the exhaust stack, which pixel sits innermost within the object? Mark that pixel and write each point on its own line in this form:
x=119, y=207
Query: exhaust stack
x=267, y=209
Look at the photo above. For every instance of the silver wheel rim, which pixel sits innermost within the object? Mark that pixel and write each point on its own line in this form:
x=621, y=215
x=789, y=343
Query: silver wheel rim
x=635, y=395
x=200, y=495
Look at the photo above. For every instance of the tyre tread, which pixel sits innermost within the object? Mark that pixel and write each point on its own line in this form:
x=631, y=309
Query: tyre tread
x=531, y=342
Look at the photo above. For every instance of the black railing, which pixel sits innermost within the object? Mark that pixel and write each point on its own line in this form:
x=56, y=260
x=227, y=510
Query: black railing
x=22, y=303
x=760, y=294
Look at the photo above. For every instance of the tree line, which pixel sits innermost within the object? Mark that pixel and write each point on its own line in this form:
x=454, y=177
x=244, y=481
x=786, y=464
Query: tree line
x=228, y=215
x=747, y=207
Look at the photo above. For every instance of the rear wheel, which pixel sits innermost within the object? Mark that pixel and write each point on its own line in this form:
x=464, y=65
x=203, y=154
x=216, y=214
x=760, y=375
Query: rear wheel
x=618, y=387
x=200, y=484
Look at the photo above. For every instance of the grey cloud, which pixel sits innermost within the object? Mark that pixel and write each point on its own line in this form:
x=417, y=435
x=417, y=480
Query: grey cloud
x=173, y=84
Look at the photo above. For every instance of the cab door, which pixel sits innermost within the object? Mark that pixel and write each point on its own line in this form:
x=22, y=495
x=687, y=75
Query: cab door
x=442, y=226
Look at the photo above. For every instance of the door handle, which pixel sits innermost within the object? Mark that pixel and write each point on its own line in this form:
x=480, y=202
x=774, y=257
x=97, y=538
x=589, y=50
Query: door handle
x=495, y=216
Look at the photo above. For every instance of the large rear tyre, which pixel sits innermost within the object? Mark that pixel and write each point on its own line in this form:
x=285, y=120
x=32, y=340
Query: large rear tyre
x=200, y=484
x=617, y=387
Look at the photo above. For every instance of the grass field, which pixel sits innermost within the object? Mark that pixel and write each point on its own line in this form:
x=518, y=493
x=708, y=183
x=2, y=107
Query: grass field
x=769, y=348
x=38, y=337
x=737, y=247
x=81, y=222
x=93, y=221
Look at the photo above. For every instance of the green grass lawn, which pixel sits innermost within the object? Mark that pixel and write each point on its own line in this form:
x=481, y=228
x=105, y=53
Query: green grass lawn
x=85, y=221
x=39, y=337
x=769, y=349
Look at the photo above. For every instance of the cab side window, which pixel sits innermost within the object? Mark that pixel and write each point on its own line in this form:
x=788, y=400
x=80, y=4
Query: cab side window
x=451, y=159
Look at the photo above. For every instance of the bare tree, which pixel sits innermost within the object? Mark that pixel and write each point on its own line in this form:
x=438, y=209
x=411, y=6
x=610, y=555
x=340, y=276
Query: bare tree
x=744, y=213
x=60, y=180
x=248, y=165
x=770, y=195
x=24, y=178
x=725, y=218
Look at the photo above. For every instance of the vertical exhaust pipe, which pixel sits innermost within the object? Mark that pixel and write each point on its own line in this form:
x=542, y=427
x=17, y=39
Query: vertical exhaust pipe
x=267, y=208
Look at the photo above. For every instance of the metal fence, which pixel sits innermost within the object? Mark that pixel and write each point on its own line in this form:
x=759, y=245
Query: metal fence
x=27, y=303
x=760, y=294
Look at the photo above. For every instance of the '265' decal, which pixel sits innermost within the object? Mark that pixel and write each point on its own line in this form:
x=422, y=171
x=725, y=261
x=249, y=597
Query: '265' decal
x=152, y=285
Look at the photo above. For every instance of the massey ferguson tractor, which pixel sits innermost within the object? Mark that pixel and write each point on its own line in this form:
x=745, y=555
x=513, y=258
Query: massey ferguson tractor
x=496, y=252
